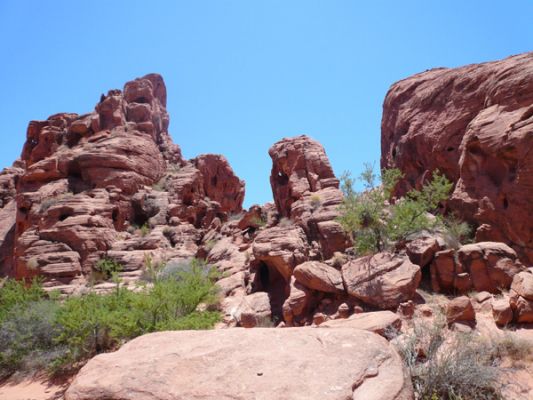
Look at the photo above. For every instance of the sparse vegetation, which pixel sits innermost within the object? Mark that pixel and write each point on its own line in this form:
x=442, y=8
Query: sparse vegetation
x=315, y=201
x=106, y=268
x=375, y=225
x=145, y=229
x=52, y=201
x=456, y=232
x=454, y=366
x=235, y=216
x=460, y=369
x=285, y=222
x=32, y=263
x=38, y=330
x=259, y=221
x=210, y=244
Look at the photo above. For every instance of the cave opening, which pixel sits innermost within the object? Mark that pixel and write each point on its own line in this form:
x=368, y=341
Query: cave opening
x=269, y=280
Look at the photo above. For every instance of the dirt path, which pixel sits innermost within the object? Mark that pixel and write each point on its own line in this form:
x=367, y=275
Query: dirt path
x=31, y=388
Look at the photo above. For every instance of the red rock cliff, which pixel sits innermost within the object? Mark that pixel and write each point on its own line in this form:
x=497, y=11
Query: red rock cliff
x=475, y=124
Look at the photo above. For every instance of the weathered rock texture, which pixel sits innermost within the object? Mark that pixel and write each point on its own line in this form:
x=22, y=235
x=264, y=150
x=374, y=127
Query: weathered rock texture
x=306, y=191
x=86, y=184
x=289, y=364
x=483, y=266
x=475, y=124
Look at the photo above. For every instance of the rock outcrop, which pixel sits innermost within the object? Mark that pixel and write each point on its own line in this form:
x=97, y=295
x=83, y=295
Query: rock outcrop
x=306, y=191
x=293, y=364
x=474, y=124
x=109, y=184
x=483, y=266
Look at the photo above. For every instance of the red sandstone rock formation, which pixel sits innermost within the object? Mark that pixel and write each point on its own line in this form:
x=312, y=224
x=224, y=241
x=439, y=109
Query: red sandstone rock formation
x=85, y=182
x=307, y=192
x=475, y=124
x=483, y=266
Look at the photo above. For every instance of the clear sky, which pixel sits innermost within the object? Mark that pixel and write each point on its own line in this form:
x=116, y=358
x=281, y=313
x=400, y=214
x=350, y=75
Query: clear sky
x=243, y=74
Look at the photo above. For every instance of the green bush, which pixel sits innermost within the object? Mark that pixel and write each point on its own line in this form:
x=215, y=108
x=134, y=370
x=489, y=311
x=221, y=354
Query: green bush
x=46, y=332
x=18, y=293
x=106, y=268
x=95, y=323
x=373, y=224
x=27, y=335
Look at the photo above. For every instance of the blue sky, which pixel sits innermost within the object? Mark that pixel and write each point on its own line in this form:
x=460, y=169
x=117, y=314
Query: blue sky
x=243, y=74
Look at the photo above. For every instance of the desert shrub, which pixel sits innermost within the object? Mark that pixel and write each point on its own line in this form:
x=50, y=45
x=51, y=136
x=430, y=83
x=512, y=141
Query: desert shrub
x=259, y=221
x=315, y=201
x=456, y=232
x=373, y=224
x=52, y=201
x=27, y=335
x=210, y=244
x=236, y=216
x=457, y=370
x=107, y=268
x=285, y=222
x=36, y=331
x=95, y=323
x=519, y=351
x=144, y=229
x=15, y=293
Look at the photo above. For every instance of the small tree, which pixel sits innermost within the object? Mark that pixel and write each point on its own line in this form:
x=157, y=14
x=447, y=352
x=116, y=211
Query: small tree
x=373, y=224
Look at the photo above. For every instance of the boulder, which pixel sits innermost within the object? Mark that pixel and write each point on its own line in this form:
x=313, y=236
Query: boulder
x=523, y=285
x=422, y=250
x=491, y=265
x=319, y=276
x=255, y=310
x=472, y=123
x=522, y=297
x=460, y=309
x=282, y=248
x=522, y=309
x=502, y=311
x=295, y=306
x=483, y=266
x=291, y=363
x=381, y=322
x=383, y=280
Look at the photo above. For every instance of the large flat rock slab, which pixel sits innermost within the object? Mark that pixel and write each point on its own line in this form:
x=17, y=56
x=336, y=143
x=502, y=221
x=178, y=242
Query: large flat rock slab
x=242, y=364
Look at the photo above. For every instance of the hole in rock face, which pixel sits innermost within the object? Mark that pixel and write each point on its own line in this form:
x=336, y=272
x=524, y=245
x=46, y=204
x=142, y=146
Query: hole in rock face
x=281, y=178
x=450, y=149
x=505, y=203
x=114, y=215
x=63, y=217
x=73, y=139
x=394, y=152
x=269, y=280
x=142, y=100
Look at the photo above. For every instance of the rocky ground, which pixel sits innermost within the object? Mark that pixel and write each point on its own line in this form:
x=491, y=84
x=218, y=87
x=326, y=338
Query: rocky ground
x=111, y=185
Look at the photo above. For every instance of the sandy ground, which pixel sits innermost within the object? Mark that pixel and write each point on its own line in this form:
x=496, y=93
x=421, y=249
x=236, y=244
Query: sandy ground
x=31, y=388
